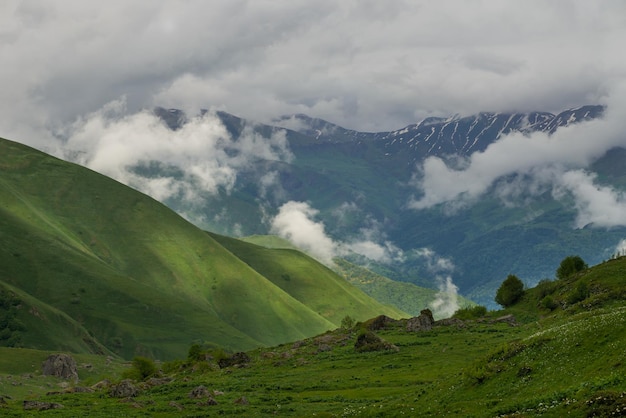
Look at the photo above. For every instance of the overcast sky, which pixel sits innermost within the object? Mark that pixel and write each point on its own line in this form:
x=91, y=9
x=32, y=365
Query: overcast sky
x=370, y=65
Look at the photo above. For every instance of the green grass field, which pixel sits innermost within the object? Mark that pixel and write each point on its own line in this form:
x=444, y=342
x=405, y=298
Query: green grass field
x=564, y=361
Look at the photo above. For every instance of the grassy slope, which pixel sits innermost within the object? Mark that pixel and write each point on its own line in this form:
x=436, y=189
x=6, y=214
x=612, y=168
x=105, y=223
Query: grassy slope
x=139, y=277
x=406, y=296
x=309, y=282
x=565, y=362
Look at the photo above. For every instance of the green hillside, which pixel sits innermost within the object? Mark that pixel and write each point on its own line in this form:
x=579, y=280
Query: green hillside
x=308, y=281
x=531, y=359
x=405, y=296
x=91, y=254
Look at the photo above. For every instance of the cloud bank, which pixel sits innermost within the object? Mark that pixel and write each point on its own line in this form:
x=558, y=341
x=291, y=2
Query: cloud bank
x=519, y=164
x=200, y=157
x=365, y=65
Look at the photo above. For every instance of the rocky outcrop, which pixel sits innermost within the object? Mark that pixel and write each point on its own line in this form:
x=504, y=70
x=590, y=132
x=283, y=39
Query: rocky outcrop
x=60, y=365
x=41, y=406
x=368, y=341
x=423, y=322
x=238, y=359
x=380, y=322
x=124, y=389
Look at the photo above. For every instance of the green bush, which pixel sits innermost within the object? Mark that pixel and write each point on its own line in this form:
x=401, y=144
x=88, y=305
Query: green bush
x=570, y=265
x=141, y=369
x=510, y=291
x=580, y=293
x=548, y=303
x=471, y=312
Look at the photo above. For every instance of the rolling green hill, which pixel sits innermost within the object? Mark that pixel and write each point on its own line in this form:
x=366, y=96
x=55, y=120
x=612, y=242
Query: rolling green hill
x=531, y=359
x=99, y=267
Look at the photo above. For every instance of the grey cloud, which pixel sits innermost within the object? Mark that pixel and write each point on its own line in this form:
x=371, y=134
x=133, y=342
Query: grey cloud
x=520, y=164
x=368, y=67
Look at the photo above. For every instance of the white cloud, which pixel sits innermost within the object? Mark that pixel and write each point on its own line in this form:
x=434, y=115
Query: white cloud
x=296, y=222
x=446, y=301
x=520, y=164
x=202, y=153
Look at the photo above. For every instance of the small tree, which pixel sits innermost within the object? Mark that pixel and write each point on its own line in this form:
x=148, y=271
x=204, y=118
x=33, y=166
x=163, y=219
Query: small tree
x=570, y=265
x=347, y=322
x=510, y=291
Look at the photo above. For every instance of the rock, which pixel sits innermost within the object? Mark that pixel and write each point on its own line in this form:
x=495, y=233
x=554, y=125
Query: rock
x=368, y=341
x=508, y=319
x=103, y=384
x=41, y=406
x=423, y=322
x=209, y=402
x=176, y=405
x=451, y=321
x=60, y=365
x=241, y=401
x=124, y=389
x=380, y=322
x=238, y=359
x=199, y=392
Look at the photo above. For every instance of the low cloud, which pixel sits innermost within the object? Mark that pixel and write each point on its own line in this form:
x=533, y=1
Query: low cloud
x=296, y=222
x=620, y=249
x=446, y=301
x=527, y=165
x=200, y=157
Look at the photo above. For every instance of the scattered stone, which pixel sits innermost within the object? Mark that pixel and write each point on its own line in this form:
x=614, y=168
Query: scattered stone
x=41, y=406
x=508, y=319
x=199, y=392
x=368, y=341
x=60, y=365
x=124, y=389
x=239, y=359
x=241, y=401
x=103, y=384
x=451, y=321
x=423, y=322
x=324, y=347
x=209, y=402
x=79, y=389
x=176, y=405
x=380, y=322
x=157, y=381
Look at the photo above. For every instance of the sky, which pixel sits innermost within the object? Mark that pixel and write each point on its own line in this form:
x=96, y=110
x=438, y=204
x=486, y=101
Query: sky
x=366, y=65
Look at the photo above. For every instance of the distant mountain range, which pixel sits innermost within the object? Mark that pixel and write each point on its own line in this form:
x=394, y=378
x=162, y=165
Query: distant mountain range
x=369, y=178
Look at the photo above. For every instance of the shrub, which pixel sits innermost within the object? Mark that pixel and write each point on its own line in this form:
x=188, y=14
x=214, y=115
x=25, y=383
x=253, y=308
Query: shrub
x=548, y=303
x=580, y=293
x=347, y=322
x=141, y=369
x=545, y=287
x=510, y=291
x=471, y=312
x=570, y=265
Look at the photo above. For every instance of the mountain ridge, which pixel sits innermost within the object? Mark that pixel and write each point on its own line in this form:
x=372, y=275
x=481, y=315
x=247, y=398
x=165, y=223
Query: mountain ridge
x=136, y=276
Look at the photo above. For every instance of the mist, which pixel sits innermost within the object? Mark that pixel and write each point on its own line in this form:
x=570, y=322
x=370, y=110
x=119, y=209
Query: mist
x=200, y=157
x=528, y=165
x=298, y=223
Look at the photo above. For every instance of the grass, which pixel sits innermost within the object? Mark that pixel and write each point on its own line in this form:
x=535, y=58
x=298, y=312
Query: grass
x=101, y=262
x=565, y=362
